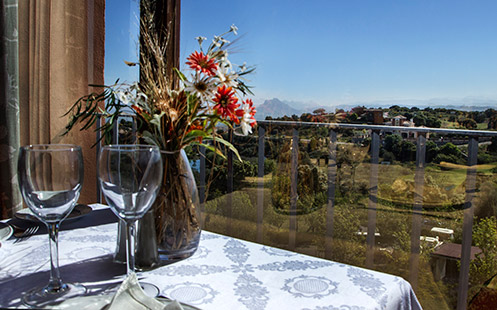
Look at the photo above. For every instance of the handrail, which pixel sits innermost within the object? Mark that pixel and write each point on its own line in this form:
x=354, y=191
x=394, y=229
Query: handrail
x=471, y=136
x=386, y=128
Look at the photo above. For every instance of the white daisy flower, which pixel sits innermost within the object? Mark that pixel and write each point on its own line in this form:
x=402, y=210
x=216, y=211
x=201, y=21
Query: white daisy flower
x=141, y=99
x=200, y=40
x=224, y=61
x=216, y=40
x=246, y=123
x=247, y=119
x=122, y=96
x=227, y=77
x=204, y=88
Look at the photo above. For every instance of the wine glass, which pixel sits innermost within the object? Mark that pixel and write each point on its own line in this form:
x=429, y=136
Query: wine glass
x=50, y=180
x=130, y=177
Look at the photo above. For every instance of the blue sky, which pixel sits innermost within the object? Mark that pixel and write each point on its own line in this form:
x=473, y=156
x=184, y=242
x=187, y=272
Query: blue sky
x=342, y=52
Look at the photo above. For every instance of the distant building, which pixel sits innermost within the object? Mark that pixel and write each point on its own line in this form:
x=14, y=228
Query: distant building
x=445, y=258
x=377, y=116
x=398, y=120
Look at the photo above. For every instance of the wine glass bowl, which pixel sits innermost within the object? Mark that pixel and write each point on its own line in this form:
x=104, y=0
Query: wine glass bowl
x=130, y=177
x=50, y=180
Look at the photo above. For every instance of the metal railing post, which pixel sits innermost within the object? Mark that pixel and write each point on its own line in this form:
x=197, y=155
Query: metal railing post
x=115, y=132
x=229, y=196
x=293, y=190
x=201, y=187
x=332, y=174
x=133, y=130
x=260, y=183
x=417, y=210
x=373, y=199
x=467, y=233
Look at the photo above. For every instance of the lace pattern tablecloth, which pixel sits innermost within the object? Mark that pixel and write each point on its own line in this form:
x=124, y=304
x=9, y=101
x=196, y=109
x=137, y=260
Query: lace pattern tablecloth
x=224, y=273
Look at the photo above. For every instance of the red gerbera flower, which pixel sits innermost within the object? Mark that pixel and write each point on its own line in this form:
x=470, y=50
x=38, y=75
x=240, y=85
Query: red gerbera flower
x=200, y=62
x=250, y=103
x=196, y=126
x=226, y=103
x=252, y=111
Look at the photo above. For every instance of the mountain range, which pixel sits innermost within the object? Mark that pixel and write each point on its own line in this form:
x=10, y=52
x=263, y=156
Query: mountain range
x=275, y=108
x=278, y=108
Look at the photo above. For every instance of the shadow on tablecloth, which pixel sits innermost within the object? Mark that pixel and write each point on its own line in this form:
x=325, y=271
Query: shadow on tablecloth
x=97, y=274
x=94, y=218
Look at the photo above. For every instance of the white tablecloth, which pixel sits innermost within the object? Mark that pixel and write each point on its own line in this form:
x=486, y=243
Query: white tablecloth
x=224, y=273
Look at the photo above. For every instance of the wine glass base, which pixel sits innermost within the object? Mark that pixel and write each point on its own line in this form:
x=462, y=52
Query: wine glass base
x=43, y=296
x=150, y=289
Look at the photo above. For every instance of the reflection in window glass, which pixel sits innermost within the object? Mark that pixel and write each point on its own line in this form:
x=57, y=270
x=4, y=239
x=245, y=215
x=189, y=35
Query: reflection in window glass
x=121, y=37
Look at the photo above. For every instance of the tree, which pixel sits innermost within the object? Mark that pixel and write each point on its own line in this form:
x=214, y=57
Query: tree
x=320, y=111
x=407, y=151
x=431, y=151
x=352, y=156
x=490, y=112
x=408, y=115
x=450, y=149
x=492, y=148
x=419, y=120
x=484, y=266
x=479, y=117
x=469, y=123
x=352, y=117
x=449, y=153
x=433, y=122
x=492, y=122
x=306, y=117
x=391, y=143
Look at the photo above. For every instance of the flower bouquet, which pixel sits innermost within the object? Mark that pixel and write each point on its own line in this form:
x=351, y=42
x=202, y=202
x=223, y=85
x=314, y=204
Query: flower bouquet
x=173, y=117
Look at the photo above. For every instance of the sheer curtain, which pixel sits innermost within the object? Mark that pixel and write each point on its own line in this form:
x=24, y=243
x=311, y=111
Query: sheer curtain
x=61, y=51
x=9, y=109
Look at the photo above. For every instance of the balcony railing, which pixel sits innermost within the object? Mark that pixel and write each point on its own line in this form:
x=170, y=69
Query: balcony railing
x=416, y=211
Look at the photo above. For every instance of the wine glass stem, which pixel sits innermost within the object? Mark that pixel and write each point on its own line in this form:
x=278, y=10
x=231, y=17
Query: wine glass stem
x=55, y=283
x=130, y=246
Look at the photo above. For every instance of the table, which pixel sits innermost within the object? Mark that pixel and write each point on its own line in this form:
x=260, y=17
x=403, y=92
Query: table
x=224, y=273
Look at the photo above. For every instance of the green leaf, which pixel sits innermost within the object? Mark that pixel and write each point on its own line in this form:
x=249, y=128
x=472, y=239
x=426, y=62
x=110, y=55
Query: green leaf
x=213, y=149
x=229, y=145
x=156, y=118
x=194, y=134
x=98, y=85
x=180, y=74
x=197, y=133
x=149, y=138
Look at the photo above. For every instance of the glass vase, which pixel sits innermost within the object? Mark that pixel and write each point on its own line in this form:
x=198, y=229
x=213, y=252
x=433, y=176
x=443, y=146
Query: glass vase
x=170, y=230
x=177, y=210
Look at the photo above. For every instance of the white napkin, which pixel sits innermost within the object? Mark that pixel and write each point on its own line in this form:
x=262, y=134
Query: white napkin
x=129, y=296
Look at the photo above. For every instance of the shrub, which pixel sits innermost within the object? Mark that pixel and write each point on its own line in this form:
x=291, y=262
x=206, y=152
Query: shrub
x=448, y=158
x=241, y=207
x=486, y=201
x=388, y=156
x=311, y=189
x=484, y=266
x=485, y=158
x=269, y=166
